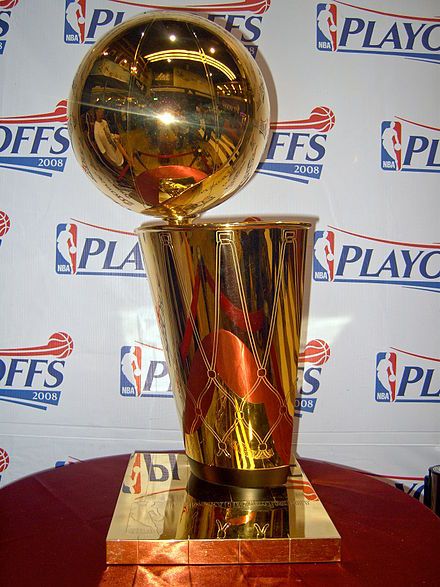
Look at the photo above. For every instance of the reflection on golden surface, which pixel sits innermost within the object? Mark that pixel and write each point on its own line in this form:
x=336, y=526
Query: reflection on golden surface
x=169, y=115
x=171, y=517
x=228, y=300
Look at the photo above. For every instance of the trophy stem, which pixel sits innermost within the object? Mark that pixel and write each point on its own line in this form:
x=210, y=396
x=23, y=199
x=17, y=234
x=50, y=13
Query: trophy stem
x=229, y=299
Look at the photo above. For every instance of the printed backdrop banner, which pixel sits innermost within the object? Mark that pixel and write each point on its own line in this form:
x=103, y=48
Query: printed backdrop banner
x=353, y=149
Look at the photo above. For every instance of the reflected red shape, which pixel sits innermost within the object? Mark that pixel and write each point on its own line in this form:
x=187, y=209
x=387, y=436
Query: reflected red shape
x=235, y=365
x=244, y=519
x=235, y=314
x=147, y=182
x=177, y=172
x=147, y=187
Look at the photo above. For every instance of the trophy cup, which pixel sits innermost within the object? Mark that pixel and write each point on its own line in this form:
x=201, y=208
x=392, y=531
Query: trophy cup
x=169, y=116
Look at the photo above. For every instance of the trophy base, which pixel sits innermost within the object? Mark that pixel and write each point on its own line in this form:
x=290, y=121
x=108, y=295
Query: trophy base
x=167, y=516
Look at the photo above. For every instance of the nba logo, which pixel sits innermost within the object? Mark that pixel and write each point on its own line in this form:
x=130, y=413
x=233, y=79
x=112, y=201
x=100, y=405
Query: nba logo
x=391, y=145
x=326, y=27
x=323, y=255
x=66, y=249
x=386, y=377
x=74, y=21
x=131, y=371
x=133, y=480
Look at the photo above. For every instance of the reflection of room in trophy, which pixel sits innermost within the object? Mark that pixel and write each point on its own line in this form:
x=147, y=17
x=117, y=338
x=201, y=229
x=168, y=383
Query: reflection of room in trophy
x=104, y=118
x=207, y=511
x=218, y=512
x=238, y=401
x=156, y=516
x=174, y=109
x=234, y=433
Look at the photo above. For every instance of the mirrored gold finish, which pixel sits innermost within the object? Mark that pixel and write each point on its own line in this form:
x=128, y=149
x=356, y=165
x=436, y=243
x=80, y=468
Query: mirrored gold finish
x=169, y=115
x=228, y=299
x=164, y=515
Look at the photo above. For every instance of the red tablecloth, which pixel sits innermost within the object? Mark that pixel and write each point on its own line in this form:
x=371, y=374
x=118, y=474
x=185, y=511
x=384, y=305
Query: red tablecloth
x=53, y=527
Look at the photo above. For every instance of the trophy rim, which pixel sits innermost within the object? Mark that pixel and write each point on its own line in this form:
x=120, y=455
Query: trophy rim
x=236, y=225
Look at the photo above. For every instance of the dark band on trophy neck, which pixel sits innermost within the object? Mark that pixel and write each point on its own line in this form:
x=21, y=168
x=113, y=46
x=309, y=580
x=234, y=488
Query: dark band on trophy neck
x=272, y=477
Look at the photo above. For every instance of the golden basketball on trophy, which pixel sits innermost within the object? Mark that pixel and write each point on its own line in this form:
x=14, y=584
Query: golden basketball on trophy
x=169, y=116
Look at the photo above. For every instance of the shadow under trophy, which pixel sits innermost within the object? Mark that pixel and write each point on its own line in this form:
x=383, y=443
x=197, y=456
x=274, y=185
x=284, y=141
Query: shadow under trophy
x=169, y=116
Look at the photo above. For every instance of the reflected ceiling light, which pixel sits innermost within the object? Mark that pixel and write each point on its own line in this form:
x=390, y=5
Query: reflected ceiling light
x=212, y=50
x=105, y=53
x=166, y=118
x=184, y=55
x=173, y=38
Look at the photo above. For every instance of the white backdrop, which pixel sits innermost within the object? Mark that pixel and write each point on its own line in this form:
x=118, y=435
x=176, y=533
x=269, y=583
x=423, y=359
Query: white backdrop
x=354, y=149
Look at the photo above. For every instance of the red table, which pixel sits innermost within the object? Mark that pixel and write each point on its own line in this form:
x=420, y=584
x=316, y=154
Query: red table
x=53, y=527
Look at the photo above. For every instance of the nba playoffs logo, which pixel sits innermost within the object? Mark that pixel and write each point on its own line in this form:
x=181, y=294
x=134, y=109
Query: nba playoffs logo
x=297, y=147
x=88, y=249
x=409, y=146
x=346, y=28
x=4, y=461
x=134, y=481
x=6, y=7
x=386, y=377
x=247, y=26
x=391, y=152
x=242, y=18
x=35, y=143
x=74, y=21
x=144, y=372
x=324, y=255
x=32, y=376
x=315, y=355
x=144, y=470
x=326, y=27
x=403, y=376
x=5, y=225
x=67, y=237
x=341, y=256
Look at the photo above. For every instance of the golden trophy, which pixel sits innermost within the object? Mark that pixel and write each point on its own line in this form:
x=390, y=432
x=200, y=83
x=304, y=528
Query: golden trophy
x=169, y=116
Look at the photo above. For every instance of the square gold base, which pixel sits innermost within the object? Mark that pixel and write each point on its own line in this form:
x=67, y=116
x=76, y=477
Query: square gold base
x=166, y=516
